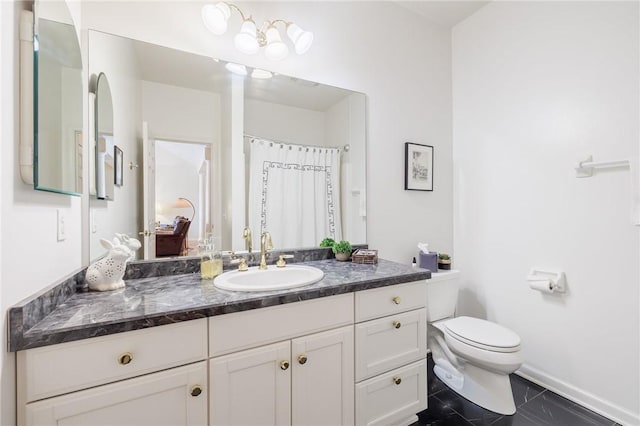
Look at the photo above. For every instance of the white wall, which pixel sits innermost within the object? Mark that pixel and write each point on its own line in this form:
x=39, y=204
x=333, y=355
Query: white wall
x=537, y=86
x=284, y=123
x=30, y=255
x=408, y=90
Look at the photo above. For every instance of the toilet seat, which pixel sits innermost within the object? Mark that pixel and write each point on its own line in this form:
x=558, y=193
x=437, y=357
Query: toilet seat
x=482, y=334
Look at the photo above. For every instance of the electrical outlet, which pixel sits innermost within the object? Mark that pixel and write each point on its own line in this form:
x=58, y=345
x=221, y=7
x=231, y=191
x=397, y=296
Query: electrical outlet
x=62, y=232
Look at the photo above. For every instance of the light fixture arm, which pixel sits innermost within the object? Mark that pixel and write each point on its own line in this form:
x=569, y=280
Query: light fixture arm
x=233, y=6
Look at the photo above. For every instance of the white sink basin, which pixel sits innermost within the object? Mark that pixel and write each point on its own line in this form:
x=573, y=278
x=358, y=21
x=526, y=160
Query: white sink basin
x=273, y=278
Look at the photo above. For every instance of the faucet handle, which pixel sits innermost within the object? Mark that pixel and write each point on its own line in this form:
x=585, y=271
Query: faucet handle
x=281, y=263
x=242, y=263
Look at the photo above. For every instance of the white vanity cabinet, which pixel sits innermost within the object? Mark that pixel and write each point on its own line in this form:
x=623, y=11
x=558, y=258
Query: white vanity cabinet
x=391, y=350
x=354, y=358
x=154, y=376
x=303, y=380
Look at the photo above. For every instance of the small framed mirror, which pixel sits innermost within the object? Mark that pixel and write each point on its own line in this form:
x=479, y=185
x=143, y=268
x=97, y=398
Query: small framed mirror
x=104, y=143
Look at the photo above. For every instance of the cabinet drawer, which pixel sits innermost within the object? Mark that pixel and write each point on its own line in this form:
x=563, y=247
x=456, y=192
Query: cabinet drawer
x=390, y=342
x=166, y=398
x=390, y=300
x=393, y=397
x=247, y=329
x=58, y=369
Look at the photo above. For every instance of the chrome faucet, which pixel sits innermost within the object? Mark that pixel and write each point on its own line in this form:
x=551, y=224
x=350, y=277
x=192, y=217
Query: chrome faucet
x=265, y=245
x=246, y=234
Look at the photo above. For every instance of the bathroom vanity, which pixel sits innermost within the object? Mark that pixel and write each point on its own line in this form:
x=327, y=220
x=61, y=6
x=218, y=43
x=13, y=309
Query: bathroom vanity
x=175, y=350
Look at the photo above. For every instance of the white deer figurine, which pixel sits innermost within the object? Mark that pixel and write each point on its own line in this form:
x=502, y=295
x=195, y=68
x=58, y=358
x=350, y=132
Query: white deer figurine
x=106, y=273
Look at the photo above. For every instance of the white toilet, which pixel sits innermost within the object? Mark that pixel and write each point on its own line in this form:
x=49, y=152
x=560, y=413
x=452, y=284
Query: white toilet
x=474, y=357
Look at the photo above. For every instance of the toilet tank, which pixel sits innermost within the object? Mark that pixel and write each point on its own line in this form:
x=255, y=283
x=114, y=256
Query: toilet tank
x=442, y=295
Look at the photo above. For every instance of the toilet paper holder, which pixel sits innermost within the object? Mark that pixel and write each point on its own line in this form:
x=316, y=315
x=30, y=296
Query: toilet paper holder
x=555, y=280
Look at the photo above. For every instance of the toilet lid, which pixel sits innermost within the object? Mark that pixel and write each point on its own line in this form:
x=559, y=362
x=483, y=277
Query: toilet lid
x=483, y=334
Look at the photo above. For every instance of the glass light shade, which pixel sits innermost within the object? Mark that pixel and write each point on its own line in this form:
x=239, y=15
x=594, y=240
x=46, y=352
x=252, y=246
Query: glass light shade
x=276, y=49
x=246, y=41
x=301, y=39
x=263, y=74
x=236, y=68
x=215, y=17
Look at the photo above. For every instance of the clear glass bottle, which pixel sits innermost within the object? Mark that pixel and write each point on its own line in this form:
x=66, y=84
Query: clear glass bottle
x=210, y=257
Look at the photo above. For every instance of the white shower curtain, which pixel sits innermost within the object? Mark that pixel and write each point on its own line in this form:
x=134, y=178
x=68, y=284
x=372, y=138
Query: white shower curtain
x=294, y=193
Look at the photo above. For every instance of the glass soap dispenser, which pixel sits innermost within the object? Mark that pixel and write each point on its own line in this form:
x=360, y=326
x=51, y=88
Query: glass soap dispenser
x=210, y=258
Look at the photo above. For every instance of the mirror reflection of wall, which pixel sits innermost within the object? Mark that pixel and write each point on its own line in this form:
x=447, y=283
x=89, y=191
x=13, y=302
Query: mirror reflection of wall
x=58, y=96
x=190, y=99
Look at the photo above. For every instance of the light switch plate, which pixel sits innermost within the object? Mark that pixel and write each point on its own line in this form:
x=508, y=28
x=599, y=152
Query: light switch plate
x=62, y=233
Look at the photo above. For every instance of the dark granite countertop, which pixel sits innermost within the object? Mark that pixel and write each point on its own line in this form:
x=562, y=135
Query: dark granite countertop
x=159, y=300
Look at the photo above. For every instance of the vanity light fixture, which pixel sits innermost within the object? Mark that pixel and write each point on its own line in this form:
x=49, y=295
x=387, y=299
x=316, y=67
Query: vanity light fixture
x=251, y=38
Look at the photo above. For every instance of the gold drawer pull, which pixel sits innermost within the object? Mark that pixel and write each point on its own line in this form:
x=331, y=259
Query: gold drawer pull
x=397, y=380
x=302, y=359
x=396, y=300
x=397, y=324
x=196, y=390
x=125, y=358
x=284, y=365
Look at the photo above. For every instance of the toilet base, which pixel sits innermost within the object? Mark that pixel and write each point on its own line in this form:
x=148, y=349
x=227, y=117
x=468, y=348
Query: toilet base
x=482, y=387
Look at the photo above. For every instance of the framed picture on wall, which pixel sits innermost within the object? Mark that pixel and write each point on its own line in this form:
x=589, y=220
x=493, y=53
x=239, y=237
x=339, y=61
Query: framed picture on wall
x=118, y=155
x=418, y=167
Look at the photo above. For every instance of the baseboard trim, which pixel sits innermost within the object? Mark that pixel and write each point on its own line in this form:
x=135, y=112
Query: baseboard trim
x=586, y=399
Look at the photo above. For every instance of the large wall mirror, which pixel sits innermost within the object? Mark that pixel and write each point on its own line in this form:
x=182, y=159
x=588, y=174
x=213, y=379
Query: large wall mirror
x=208, y=150
x=58, y=139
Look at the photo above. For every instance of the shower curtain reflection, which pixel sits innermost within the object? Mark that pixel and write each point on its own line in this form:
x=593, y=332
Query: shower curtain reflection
x=294, y=192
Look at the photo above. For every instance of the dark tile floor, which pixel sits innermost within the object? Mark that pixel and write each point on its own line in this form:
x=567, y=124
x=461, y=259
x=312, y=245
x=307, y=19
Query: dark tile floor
x=534, y=406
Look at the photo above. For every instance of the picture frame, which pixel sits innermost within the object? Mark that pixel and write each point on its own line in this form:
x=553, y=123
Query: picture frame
x=418, y=167
x=118, y=155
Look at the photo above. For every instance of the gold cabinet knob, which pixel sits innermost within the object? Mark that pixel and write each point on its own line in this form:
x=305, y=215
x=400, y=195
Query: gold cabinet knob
x=284, y=365
x=196, y=390
x=397, y=380
x=302, y=359
x=396, y=300
x=397, y=324
x=125, y=358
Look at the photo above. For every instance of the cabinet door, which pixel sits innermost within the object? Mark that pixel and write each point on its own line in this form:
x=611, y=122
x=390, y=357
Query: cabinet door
x=322, y=383
x=252, y=387
x=166, y=398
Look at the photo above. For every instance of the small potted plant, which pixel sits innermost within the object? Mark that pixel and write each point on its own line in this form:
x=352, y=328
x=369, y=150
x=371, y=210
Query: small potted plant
x=327, y=242
x=444, y=261
x=342, y=250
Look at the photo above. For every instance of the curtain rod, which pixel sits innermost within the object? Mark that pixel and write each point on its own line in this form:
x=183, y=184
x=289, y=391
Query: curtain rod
x=344, y=148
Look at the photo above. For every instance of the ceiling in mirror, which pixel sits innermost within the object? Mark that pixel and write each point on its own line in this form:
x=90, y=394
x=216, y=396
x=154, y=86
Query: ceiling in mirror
x=58, y=139
x=188, y=123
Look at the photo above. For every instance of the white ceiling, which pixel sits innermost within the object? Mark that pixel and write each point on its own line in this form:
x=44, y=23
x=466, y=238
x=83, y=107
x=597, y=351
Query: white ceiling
x=444, y=13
